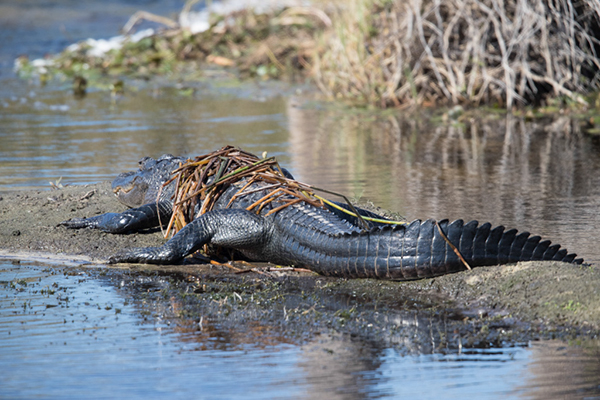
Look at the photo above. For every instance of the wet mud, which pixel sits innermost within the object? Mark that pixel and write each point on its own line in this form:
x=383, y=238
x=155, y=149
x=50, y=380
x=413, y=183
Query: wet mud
x=484, y=307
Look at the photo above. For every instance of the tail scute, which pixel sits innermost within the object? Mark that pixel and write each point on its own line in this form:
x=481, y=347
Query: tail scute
x=538, y=253
x=466, y=240
x=440, y=252
x=560, y=255
x=505, y=245
x=516, y=249
x=491, y=244
x=483, y=245
x=529, y=247
x=481, y=235
x=552, y=250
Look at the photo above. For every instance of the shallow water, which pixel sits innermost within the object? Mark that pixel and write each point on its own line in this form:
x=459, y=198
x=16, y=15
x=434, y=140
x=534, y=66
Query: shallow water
x=50, y=135
x=80, y=333
x=67, y=335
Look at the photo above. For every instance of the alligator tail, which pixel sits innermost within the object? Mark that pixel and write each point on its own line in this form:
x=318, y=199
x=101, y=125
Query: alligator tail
x=421, y=249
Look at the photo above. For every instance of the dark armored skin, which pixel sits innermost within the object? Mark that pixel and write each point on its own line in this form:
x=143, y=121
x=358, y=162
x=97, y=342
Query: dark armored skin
x=324, y=240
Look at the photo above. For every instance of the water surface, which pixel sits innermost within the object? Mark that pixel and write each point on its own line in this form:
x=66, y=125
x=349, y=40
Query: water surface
x=68, y=333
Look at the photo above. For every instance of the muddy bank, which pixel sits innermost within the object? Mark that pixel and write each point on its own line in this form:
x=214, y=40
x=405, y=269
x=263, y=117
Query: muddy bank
x=495, y=304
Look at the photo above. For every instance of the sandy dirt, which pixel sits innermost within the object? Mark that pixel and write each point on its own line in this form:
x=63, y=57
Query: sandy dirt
x=548, y=298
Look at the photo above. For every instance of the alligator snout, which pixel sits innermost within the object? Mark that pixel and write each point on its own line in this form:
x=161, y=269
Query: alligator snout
x=130, y=190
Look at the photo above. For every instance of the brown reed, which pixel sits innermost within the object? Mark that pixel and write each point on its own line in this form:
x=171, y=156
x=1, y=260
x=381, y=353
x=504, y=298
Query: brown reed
x=426, y=52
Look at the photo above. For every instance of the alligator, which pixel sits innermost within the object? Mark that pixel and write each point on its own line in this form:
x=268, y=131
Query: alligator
x=335, y=239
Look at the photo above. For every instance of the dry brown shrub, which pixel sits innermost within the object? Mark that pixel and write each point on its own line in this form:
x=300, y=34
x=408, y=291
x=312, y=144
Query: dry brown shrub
x=405, y=52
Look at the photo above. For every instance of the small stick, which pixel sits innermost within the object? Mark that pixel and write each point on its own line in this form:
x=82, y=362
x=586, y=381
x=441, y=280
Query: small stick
x=453, y=247
x=242, y=193
x=264, y=203
x=265, y=197
x=281, y=207
x=236, y=195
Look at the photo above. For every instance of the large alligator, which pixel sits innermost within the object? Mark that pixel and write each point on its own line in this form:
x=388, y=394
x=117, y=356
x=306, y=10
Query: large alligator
x=325, y=239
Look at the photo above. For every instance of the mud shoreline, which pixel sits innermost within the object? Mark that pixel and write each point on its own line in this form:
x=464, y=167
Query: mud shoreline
x=523, y=301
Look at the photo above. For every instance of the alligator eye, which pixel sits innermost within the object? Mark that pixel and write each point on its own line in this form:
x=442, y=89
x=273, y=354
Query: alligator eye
x=143, y=161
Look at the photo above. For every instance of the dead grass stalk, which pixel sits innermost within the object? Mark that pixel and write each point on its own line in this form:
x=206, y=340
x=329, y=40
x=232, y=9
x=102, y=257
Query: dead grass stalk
x=405, y=52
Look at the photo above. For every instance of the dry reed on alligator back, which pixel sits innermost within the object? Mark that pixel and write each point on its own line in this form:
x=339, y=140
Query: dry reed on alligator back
x=202, y=180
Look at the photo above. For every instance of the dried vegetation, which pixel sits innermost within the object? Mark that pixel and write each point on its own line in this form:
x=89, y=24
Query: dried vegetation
x=201, y=182
x=462, y=51
x=270, y=45
x=391, y=52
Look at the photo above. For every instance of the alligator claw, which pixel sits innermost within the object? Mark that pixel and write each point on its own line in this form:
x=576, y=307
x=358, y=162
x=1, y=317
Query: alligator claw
x=144, y=255
x=126, y=256
x=77, y=223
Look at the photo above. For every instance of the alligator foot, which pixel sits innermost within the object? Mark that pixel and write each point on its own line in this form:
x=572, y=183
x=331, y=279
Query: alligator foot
x=80, y=223
x=147, y=255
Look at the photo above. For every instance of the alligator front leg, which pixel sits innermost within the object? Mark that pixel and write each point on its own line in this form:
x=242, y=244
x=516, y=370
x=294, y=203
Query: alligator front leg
x=134, y=219
x=232, y=228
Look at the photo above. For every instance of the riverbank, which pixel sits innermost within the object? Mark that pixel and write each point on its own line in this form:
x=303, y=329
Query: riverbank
x=366, y=52
x=500, y=304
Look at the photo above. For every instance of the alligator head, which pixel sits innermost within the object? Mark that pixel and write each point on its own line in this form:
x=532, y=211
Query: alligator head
x=145, y=185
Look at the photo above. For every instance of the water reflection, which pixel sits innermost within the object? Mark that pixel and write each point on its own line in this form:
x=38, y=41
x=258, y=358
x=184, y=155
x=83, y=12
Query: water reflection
x=539, y=176
x=559, y=371
x=91, y=140
x=67, y=333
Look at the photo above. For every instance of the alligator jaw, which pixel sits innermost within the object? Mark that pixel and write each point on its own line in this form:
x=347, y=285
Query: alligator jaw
x=130, y=190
